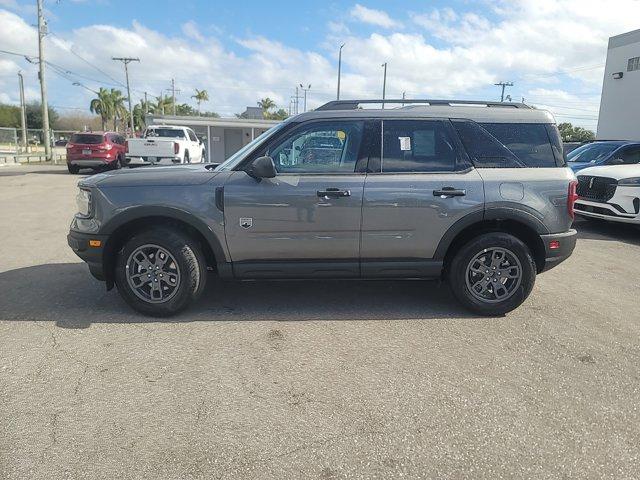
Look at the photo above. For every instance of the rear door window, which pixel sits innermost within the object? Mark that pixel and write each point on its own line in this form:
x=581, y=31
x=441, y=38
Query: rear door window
x=629, y=155
x=527, y=141
x=417, y=146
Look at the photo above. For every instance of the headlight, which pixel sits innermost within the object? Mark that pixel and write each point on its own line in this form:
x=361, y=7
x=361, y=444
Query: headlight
x=83, y=201
x=629, y=182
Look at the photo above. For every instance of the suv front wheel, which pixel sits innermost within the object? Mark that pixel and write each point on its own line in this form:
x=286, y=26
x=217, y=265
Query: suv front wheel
x=492, y=274
x=160, y=271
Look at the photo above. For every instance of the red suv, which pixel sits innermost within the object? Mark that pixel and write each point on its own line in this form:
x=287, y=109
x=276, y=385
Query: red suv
x=95, y=150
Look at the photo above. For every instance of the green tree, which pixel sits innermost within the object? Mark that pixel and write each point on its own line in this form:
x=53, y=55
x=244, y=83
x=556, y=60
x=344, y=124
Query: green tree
x=200, y=96
x=119, y=109
x=569, y=133
x=164, y=105
x=281, y=114
x=102, y=105
x=9, y=116
x=34, y=115
x=266, y=104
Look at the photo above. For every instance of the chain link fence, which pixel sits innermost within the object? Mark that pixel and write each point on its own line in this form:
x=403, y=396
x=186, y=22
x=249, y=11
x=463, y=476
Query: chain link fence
x=12, y=149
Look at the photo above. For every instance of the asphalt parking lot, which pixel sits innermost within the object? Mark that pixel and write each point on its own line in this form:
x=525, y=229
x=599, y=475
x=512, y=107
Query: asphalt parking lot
x=326, y=380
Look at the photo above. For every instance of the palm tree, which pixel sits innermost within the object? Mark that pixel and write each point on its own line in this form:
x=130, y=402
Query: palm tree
x=103, y=106
x=266, y=104
x=119, y=110
x=200, y=96
x=163, y=104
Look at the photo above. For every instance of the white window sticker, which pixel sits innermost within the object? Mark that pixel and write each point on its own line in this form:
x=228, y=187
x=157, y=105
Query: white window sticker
x=405, y=143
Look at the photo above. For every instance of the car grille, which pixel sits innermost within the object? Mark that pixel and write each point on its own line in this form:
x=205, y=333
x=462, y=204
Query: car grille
x=599, y=189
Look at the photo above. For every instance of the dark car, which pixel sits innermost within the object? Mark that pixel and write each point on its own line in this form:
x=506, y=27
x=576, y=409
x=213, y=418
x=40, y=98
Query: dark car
x=604, y=152
x=61, y=142
x=95, y=150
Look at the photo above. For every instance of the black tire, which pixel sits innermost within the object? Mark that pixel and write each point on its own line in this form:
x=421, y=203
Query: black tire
x=117, y=165
x=191, y=268
x=461, y=276
x=73, y=169
x=186, y=157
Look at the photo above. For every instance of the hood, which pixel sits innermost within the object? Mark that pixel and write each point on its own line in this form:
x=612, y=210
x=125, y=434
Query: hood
x=612, y=171
x=152, y=176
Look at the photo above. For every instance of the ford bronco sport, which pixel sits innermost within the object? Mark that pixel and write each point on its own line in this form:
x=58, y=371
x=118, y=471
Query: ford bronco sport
x=476, y=193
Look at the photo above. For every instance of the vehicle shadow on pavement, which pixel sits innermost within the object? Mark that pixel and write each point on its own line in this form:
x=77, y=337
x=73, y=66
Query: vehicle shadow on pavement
x=67, y=294
x=603, y=230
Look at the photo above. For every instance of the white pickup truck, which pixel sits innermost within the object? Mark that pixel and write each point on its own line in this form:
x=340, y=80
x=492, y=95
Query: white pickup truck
x=165, y=144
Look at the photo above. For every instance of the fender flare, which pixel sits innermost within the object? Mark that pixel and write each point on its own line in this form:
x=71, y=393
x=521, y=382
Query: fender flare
x=493, y=213
x=141, y=212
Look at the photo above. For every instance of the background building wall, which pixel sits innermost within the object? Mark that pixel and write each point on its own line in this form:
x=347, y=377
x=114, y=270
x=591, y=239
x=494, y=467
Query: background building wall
x=619, y=117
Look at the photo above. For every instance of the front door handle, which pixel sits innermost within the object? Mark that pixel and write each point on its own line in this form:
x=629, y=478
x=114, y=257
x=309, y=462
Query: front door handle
x=448, y=192
x=333, y=193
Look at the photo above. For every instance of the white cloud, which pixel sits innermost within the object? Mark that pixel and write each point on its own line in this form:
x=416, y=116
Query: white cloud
x=191, y=30
x=441, y=53
x=373, y=17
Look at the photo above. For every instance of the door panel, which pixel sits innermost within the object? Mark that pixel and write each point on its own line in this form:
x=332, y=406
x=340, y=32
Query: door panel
x=418, y=193
x=283, y=219
x=403, y=219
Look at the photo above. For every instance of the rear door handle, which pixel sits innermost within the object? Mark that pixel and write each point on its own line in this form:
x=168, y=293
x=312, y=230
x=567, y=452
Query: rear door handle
x=448, y=192
x=333, y=193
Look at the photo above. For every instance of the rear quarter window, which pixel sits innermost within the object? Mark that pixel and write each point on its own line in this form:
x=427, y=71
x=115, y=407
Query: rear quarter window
x=529, y=142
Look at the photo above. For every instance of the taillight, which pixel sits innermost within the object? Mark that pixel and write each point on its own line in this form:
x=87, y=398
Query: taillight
x=572, y=197
x=126, y=146
x=176, y=147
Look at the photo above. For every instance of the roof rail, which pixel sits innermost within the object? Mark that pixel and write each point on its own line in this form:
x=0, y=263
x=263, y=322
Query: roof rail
x=353, y=104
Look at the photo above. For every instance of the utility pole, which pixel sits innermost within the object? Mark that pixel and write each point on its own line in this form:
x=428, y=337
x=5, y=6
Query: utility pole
x=297, y=103
x=339, y=70
x=305, y=90
x=173, y=95
x=403, y=97
x=126, y=61
x=42, y=31
x=23, y=117
x=503, y=85
x=384, y=83
x=146, y=104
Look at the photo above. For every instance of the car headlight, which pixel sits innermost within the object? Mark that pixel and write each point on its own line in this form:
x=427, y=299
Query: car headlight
x=83, y=201
x=629, y=182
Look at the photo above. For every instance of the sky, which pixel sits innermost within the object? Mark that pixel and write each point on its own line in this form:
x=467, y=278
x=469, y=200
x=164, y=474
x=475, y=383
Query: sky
x=552, y=50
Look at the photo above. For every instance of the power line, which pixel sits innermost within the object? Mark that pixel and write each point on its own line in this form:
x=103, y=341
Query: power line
x=118, y=82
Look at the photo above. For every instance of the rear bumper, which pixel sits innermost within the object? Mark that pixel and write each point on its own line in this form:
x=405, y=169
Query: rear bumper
x=137, y=160
x=90, y=162
x=558, y=247
x=93, y=256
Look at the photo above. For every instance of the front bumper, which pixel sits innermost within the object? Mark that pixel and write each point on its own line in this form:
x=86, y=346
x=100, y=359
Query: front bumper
x=624, y=207
x=558, y=247
x=92, y=255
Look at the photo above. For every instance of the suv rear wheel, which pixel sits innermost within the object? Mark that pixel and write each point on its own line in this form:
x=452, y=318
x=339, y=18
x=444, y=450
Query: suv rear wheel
x=160, y=271
x=492, y=274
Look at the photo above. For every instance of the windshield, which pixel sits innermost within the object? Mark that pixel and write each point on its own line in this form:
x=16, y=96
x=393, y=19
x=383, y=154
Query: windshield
x=87, y=139
x=592, y=152
x=164, y=132
x=237, y=157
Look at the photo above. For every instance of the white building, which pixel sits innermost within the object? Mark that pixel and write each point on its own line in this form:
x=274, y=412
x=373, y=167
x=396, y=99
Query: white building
x=620, y=102
x=222, y=136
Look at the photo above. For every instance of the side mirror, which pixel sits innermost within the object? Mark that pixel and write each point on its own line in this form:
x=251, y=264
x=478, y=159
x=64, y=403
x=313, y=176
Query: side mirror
x=261, y=167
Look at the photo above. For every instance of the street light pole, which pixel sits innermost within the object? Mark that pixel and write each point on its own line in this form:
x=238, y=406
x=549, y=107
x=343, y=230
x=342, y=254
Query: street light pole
x=126, y=61
x=384, y=83
x=305, y=90
x=23, y=117
x=339, y=70
x=42, y=31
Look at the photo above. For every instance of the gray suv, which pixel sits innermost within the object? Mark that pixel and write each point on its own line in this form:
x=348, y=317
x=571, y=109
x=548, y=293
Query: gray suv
x=476, y=193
